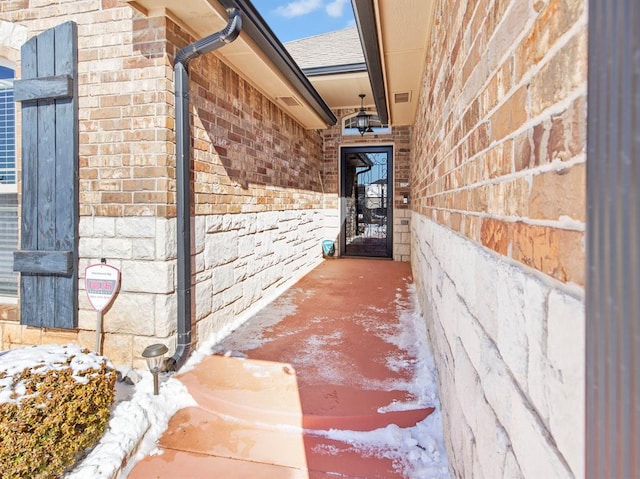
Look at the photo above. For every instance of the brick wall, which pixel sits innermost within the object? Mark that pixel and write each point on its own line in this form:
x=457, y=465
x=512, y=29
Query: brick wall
x=253, y=165
x=126, y=171
x=249, y=155
x=257, y=194
x=498, y=179
x=400, y=138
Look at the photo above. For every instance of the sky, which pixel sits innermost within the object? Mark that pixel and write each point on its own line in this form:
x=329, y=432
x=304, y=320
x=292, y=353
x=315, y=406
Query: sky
x=295, y=19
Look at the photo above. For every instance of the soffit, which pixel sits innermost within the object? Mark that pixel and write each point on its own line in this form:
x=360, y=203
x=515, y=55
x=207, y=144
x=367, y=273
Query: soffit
x=202, y=18
x=403, y=33
x=341, y=90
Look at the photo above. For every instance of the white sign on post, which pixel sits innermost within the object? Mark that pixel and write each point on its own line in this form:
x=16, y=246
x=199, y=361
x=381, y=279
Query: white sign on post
x=101, y=283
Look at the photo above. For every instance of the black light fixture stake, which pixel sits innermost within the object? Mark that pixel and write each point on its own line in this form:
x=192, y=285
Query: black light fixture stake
x=154, y=355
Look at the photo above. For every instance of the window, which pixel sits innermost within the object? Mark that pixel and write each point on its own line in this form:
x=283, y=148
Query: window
x=8, y=189
x=349, y=125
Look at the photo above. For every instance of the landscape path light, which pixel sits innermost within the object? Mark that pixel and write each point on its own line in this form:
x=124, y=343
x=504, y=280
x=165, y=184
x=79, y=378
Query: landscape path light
x=154, y=355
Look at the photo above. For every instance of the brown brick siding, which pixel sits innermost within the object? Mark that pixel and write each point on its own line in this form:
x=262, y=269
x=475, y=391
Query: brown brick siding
x=249, y=155
x=499, y=141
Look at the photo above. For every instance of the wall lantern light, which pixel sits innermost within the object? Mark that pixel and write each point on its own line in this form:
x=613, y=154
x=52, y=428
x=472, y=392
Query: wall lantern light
x=362, y=118
x=154, y=355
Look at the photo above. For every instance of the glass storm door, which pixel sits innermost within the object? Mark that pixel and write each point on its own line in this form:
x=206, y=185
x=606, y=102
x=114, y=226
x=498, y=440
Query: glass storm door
x=367, y=201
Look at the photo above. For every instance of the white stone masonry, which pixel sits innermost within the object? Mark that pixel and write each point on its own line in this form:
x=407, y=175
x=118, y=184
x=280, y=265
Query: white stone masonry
x=509, y=347
x=240, y=260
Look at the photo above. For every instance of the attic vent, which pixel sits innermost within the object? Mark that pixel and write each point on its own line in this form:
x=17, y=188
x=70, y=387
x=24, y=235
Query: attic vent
x=402, y=97
x=289, y=101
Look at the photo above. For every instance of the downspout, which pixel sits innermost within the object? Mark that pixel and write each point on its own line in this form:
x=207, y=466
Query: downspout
x=183, y=175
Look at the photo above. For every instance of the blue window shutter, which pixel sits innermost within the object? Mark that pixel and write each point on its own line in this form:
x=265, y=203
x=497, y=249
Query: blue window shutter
x=48, y=259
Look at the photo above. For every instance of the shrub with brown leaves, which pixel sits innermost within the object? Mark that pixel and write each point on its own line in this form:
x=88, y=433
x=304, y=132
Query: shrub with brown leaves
x=51, y=413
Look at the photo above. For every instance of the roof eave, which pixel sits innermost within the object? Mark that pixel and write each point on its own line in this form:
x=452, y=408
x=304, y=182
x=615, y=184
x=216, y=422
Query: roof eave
x=256, y=28
x=335, y=69
x=366, y=21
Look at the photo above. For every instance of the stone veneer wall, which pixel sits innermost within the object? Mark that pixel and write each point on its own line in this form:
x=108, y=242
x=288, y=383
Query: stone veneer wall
x=498, y=225
x=257, y=194
x=400, y=139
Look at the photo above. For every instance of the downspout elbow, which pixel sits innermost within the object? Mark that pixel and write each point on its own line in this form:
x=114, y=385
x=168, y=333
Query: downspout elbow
x=213, y=41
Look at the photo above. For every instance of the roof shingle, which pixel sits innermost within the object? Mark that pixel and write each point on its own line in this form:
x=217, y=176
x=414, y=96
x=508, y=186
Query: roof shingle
x=341, y=47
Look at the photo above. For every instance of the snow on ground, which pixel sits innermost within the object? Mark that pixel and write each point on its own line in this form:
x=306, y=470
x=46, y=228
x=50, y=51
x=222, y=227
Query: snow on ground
x=144, y=417
x=418, y=451
x=274, y=314
x=43, y=359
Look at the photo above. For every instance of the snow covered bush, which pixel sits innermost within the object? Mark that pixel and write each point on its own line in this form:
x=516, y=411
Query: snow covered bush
x=54, y=404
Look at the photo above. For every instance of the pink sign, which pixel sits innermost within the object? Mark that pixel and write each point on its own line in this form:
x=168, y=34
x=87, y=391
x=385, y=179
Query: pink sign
x=101, y=283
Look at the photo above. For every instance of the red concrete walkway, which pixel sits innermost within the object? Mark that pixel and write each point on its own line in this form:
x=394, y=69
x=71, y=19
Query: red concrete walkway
x=326, y=355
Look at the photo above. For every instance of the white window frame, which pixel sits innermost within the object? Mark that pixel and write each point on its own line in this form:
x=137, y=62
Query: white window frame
x=10, y=188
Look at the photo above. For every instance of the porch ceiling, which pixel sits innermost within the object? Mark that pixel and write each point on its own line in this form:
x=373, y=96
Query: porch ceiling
x=202, y=18
x=400, y=30
x=397, y=35
x=342, y=90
